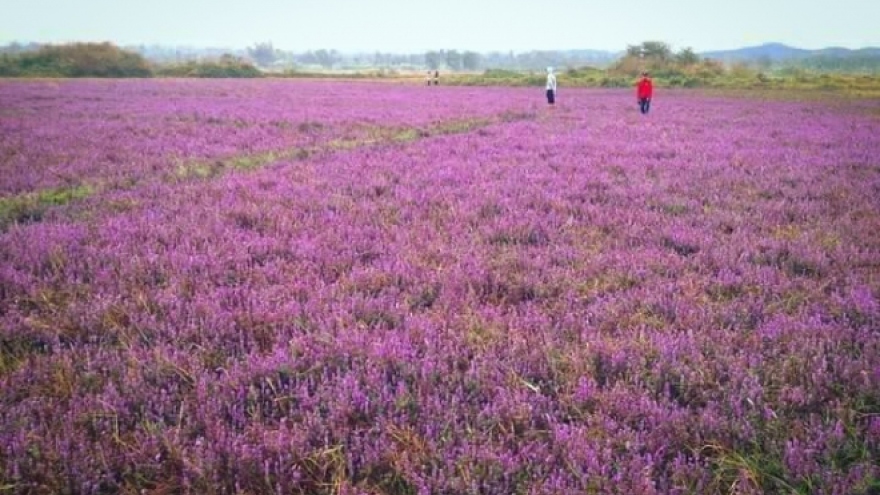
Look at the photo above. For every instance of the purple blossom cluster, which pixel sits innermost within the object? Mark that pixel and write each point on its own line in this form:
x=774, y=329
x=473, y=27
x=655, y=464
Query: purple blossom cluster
x=70, y=133
x=583, y=300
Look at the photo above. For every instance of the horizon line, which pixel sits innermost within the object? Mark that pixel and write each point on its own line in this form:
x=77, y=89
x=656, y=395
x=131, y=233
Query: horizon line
x=196, y=46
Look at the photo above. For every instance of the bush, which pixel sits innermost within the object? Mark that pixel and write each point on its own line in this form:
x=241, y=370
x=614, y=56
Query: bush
x=615, y=82
x=108, y=60
x=8, y=67
x=76, y=60
x=225, y=66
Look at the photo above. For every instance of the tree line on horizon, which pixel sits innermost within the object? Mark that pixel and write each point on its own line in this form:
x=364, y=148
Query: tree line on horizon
x=108, y=60
x=684, y=67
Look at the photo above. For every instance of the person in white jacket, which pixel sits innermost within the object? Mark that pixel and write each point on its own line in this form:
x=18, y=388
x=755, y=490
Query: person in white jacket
x=551, y=86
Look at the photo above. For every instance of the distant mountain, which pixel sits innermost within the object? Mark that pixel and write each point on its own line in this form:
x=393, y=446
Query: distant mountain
x=779, y=52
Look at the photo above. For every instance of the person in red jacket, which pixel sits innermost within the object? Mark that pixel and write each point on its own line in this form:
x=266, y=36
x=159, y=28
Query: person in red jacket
x=644, y=93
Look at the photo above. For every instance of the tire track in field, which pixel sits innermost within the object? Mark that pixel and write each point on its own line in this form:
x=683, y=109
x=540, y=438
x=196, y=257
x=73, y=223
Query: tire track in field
x=33, y=206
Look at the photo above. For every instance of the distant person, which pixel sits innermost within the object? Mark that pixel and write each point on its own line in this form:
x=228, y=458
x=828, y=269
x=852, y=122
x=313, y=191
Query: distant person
x=551, y=87
x=644, y=93
x=436, y=78
x=428, y=78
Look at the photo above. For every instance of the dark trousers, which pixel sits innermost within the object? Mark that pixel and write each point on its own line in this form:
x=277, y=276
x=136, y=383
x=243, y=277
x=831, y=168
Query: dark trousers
x=551, y=96
x=645, y=105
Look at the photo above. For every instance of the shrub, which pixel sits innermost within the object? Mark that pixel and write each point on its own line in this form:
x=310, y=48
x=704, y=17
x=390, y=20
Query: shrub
x=226, y=66
x=76, y=60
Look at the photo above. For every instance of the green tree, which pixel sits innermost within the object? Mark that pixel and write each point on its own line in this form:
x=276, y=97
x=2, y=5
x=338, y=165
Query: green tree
x=433, y=60
x=656, y=50
x=687, y=56
x=471, y=60
x=656, y=57
x=263, y=53
x=453, y=59
x=633, y=51
x=327, y=58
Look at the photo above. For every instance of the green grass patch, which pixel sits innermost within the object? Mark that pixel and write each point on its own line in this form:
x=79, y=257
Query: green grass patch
x=408, y=135
x=462, y=126
x=604, y=283
x=31, y=207
x=755, y=469
x=346, y=144
x=202, y=169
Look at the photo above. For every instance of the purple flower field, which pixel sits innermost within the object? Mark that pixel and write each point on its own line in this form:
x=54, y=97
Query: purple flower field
x=55, y=134
x=454, y=291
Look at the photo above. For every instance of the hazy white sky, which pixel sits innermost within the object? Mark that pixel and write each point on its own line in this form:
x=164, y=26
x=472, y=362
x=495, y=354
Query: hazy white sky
x=419, y=25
